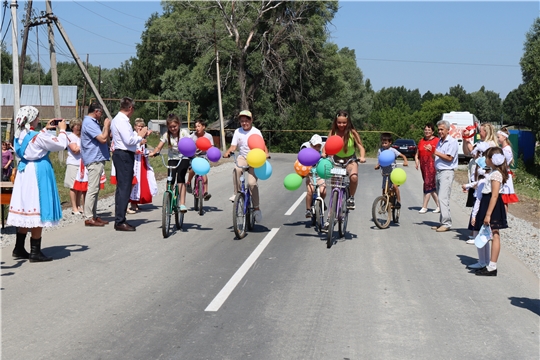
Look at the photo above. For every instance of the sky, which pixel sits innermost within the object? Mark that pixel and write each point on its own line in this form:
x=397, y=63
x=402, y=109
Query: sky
x=424, y=45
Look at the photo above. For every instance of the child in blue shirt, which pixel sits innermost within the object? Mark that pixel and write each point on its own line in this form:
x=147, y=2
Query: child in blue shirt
x=386, y=142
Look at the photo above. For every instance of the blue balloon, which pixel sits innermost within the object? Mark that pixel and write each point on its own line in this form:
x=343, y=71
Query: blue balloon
x=264, y=172
x=200, y=166
x=386, y=158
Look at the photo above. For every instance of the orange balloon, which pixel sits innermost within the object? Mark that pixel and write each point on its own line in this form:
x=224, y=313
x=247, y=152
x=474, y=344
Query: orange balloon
x=333, y=145
x=256, y=141
x=301, y=170
x=203, y=143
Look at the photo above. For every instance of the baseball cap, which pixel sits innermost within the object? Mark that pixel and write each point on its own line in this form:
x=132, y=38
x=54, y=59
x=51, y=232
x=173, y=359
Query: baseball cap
x=245, y=113
x=316, y=140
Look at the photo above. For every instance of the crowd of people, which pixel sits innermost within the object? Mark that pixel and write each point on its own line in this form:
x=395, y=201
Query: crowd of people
x=35, y=201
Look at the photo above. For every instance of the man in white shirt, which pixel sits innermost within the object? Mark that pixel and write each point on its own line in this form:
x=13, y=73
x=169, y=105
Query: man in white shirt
x=240, y=141
x=125, y=144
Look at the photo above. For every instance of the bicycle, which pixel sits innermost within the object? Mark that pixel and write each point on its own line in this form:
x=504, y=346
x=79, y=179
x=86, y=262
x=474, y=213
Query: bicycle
x=170, y=202
x=198, y=193
x=243, y=211
x=338, y=200
x=384, y=207
x=317, y=203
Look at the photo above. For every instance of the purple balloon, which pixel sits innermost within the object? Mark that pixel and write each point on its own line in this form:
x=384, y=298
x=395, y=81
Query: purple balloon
x=213, y=154
x=308, y=157
x=187, y=147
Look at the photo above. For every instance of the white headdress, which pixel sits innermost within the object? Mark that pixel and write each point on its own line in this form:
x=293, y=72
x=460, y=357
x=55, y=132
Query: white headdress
x=25, y=116
x=502, y=134
x=497, y=159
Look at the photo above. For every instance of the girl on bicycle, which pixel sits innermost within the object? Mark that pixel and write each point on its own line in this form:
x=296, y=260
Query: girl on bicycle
x=171, y=138
x=200, y=127
x=344, y=127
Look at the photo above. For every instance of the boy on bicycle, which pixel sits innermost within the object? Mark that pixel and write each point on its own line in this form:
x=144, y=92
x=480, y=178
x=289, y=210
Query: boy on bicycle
x=315, y=143
x=240, y=141
x=386, y=142
x=200, y=131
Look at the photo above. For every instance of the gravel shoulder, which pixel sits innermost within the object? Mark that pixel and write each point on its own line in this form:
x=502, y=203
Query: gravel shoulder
x=522, y=238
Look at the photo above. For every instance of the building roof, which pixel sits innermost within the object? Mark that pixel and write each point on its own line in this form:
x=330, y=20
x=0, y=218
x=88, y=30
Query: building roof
x=39, y=95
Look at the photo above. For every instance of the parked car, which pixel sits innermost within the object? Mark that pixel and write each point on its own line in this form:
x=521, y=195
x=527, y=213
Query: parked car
x=306, y=144
x=405, y=146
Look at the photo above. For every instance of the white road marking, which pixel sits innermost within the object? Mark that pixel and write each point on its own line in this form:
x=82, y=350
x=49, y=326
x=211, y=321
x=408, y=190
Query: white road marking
x=295, y=205
x=239, y=274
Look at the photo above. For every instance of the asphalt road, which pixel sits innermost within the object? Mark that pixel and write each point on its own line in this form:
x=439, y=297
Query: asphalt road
x=279, y=293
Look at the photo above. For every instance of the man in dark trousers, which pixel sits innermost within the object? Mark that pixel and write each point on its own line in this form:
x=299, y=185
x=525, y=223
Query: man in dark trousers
x=125, y=142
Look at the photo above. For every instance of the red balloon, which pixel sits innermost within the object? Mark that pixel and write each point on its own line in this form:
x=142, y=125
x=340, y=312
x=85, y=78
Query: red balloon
x=203, y=143
x=256, y=141
x=333, y=145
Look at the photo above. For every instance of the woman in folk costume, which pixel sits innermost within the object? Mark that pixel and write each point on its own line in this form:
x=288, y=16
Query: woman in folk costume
x=35, y=202
x=508, y=194
x=145, y=186
x=76, y=179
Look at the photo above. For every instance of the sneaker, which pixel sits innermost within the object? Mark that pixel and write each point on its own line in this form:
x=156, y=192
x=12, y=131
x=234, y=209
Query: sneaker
x=398, y=205
x=183, y=208
x=325, y=227
x=257, y=215
x=308, y=214
x=232, y=198
x=437, y=210
x=207, y=196
x=470, y=241
x=129, y=211
x=188, y=188
x=350, y=203
x=422, y=211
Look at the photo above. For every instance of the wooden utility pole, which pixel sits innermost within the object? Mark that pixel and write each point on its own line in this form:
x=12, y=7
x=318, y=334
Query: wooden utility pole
x=84, y=93
x=54, y=73
x=222, y=132
x=15, y=57
x=25, y=42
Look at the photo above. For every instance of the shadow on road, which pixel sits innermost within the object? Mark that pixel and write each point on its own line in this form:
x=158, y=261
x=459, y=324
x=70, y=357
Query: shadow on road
x=526, y=303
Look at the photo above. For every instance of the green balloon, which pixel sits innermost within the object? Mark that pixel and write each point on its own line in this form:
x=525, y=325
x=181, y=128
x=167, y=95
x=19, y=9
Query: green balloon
x=292, y=181
x=323, y=168
x=398, y=176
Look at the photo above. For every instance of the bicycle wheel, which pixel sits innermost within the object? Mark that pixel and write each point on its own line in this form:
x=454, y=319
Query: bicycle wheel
x=380, y=213
x=200, y=194
x=343, y=216
x=331, y=221
x=239, y=217
x=178, y=216
x=395, y=212
x=166, y=214
x=318, y=218
x=250, y=216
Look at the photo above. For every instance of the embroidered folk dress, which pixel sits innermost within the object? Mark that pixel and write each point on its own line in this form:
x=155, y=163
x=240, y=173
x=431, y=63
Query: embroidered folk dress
x=508, y=194
x=35, y=201
x=146, y=185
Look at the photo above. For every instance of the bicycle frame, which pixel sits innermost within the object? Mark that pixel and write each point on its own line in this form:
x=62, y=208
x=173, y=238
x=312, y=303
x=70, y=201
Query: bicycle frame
x=243, y=188
x=339, y=182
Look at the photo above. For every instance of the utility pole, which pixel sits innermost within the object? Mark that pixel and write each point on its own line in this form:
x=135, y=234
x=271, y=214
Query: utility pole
x=15, y=57
x=222, y=132
x=84, y=93
x=25, y=42
x=54, y=73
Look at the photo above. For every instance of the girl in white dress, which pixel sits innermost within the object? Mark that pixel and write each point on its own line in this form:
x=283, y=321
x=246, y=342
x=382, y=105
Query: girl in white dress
x=76, y=178
x=35, y=202
x=508, y=195
x=145, y=186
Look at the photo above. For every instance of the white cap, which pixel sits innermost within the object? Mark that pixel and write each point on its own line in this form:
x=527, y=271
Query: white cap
x=316, y=140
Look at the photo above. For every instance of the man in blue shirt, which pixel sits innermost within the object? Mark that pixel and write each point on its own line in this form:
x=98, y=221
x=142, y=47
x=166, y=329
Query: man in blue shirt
x=446, y=161
x=94, y=152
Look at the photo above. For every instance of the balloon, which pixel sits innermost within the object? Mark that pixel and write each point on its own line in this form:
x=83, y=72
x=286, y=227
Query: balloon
x=256, y=158
x=301, y=169
x=256, y=141
x=398, y=176
x=308, y=156
x=323, y=169
x=213, y=154
x=333, y=145
x=386, y=158
x=187, y=147
x=203, y=143
x=200, y=166
x=264, y=171
x=292, y=181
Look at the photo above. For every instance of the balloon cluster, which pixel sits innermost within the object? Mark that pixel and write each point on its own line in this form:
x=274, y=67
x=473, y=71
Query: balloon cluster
x=256, y=157
x=309, y=157
x=188, y=148
x=398, y=176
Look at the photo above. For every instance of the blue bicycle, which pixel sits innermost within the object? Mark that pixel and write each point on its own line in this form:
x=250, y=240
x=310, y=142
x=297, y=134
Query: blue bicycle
x=243, y=212
x=317, y=203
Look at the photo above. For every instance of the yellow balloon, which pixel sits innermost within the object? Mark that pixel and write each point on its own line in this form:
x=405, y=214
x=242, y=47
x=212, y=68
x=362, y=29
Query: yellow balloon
x=256, y=158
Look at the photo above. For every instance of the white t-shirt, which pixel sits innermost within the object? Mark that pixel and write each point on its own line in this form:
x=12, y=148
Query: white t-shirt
x=73, y=159
x=206, y=135
x=240, y=139
x=173, y=152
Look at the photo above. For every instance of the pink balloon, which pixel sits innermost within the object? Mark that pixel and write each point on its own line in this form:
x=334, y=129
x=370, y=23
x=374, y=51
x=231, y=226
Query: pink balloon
x=187, y=147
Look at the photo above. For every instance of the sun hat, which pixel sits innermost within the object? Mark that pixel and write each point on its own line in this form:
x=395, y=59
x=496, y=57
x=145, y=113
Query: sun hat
x=245, y=113
x=316, y=140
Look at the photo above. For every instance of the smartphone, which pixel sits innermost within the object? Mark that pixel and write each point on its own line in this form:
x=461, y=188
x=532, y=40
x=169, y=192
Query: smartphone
x=55, y=121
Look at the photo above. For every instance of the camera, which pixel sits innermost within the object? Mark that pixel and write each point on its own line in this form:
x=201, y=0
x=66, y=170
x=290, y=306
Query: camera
x=55, y=121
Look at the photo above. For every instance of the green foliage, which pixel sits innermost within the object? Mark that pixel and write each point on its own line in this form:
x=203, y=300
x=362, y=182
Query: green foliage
x=530, y=66
x=7, y=65
x=514, y=107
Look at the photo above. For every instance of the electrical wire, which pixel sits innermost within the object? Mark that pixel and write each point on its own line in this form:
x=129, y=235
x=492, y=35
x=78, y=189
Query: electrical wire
x=93, y=33
x=437, y=62
x=7, y=30
x=3, y=15
x=103, y=17
x=121, y=12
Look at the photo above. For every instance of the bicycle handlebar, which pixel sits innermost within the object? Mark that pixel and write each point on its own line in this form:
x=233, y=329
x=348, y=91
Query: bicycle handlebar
x=235, y=158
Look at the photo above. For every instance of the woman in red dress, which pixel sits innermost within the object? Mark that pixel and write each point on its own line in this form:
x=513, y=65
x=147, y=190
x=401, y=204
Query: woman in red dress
x=425, y=159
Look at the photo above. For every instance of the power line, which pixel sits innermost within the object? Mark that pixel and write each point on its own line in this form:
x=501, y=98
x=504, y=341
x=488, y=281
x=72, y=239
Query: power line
x=7, y=30
x=437, y=62
x=103, y=17
x=121, y=12
x=106, y=38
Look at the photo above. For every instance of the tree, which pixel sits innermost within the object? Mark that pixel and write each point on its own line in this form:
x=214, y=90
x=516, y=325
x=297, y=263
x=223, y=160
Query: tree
x=7, y=65
x=466, y=103
x=513, y=106
x=530, y=70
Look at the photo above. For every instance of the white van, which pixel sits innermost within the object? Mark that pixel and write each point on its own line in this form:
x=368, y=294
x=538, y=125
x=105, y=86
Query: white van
x=459, y=120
